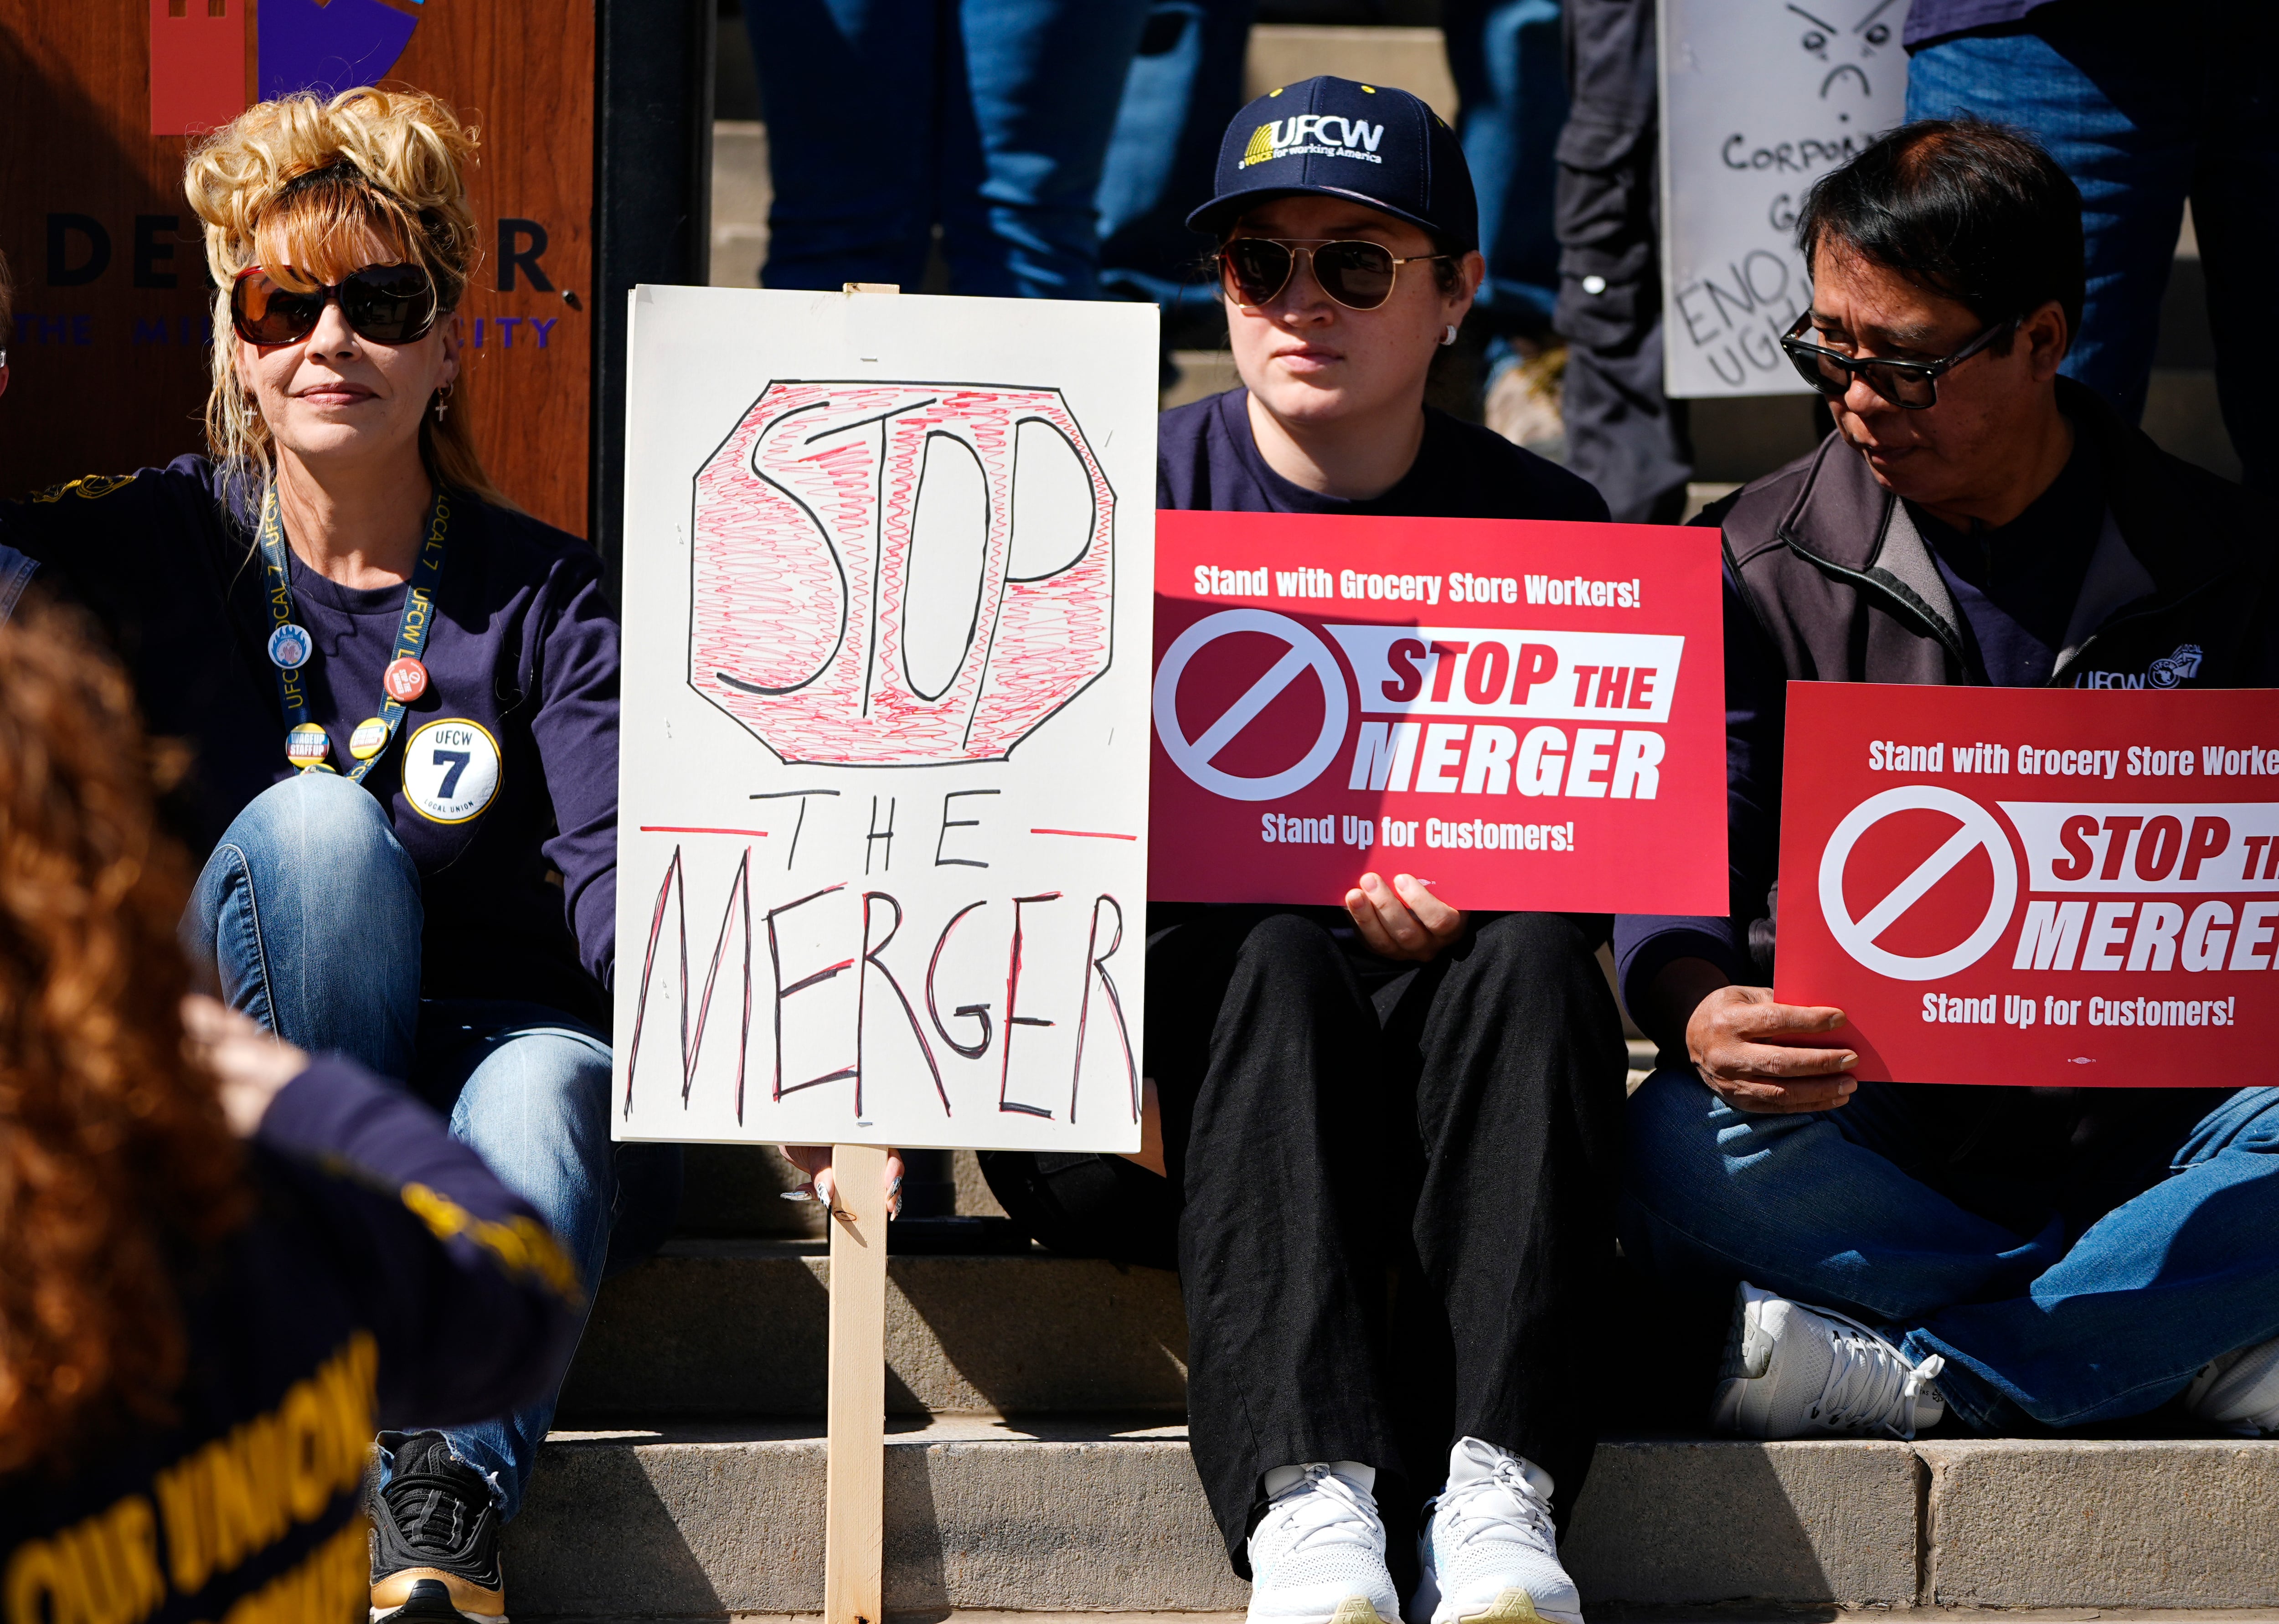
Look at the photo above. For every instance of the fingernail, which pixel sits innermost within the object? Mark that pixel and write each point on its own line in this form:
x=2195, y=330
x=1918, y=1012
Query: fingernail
x=1849, y=1060
x=802, y=1193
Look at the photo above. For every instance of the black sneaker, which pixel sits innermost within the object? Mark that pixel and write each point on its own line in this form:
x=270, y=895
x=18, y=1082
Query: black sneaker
x=434, y=1538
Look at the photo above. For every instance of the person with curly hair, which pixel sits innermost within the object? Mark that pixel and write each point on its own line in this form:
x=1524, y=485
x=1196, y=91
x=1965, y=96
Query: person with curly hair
x=401, y=696
x=220, y=1259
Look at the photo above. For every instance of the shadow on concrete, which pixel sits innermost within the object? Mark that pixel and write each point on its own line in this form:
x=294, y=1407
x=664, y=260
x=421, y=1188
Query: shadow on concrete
x=915, y=1580
x=702, y=1330
x=1054, y=1334
x=1670, y=1522
x=549, y=1549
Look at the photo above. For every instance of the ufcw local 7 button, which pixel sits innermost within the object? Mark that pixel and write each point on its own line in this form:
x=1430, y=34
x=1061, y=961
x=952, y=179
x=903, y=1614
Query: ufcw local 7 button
x=370, y=737
x=307, y=745
x=290, y=646
x=450, y=770
x=405, y=679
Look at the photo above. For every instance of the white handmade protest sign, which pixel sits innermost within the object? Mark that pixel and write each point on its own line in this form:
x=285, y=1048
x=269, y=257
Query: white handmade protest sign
x=1759, y=98
x=882, y=846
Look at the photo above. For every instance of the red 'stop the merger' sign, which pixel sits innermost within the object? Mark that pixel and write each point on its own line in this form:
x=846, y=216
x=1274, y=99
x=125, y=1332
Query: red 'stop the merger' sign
x=2032, y=885
x=1522, y=714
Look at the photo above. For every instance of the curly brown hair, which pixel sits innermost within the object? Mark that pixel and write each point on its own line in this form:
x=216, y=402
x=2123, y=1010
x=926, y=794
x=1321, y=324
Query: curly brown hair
x=115, y=1165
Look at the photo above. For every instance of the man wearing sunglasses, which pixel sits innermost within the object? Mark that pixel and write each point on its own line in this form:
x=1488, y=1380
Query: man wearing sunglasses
x=1892, y=1256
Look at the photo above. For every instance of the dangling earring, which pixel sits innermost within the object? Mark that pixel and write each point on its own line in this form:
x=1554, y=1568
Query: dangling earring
x=1447, y=337
x=443, y=397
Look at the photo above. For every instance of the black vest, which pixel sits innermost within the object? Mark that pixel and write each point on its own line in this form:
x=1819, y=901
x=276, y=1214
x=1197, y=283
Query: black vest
x=2177, y=591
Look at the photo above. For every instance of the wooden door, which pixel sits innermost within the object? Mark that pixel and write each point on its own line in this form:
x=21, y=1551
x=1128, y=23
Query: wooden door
x=108, y=356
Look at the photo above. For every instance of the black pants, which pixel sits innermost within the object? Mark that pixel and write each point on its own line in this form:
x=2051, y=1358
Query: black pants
x=1623, y=434
x=1392, y=1215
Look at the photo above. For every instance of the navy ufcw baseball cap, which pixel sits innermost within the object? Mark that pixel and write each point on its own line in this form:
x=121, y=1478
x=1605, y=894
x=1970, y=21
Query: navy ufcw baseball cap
x=1335, y=138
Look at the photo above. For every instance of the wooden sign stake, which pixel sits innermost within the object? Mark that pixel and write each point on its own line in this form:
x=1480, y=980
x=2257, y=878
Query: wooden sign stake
x=854, y=1428
x=855, y=1443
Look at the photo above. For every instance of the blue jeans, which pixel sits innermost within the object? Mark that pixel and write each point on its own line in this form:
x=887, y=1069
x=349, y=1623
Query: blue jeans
x=1509, y=58
x=2104, y=1311
x=989, y=118
x=310, y=910
x=1185, y=84
x=2142, y=114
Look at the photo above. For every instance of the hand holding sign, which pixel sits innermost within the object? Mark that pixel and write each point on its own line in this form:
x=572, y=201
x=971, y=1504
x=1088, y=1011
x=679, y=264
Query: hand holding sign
x=1736, y=1038
x=1402, y=920
x=815, y=1162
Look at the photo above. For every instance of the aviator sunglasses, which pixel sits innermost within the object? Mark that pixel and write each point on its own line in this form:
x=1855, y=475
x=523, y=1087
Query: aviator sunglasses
x=1911, y=385
x=386, y=304
x=1357, y=275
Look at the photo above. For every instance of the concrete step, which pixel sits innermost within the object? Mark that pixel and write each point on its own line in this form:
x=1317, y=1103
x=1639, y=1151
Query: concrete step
x=738, y=1327
x=1073, y=1514
x=1410, y=59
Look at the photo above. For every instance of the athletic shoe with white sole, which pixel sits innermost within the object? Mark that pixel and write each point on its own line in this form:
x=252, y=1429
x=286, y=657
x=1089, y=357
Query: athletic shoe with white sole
x=1317, y=1556
x=434, y=1538
x=2240, y=1392
x=1489, y=1553
x=1794, y=1371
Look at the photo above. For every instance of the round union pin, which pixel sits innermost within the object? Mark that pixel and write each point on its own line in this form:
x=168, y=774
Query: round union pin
x=290, y=646
x=306, y=744
x=405, y=679
x=370, y=737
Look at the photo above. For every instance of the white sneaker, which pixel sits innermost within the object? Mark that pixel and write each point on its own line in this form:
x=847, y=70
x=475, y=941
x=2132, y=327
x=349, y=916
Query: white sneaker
x=1794, y=1371
x=1317, y=1556
x=1489, y=1551
x=2240, y=1392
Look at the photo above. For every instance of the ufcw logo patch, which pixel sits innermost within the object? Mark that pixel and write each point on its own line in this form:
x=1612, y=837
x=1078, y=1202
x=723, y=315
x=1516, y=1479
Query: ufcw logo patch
x=1313, y=136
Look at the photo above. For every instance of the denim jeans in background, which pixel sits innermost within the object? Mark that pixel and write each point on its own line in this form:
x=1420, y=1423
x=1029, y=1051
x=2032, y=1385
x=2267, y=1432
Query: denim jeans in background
x=310, y=910
x=1509, y=60
x=2143, y=112
x=1185, y=84
x=989, y=118
x=2098, y=1302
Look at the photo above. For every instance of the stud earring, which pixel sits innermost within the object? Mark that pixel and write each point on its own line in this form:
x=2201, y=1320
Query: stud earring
x=1447, y=337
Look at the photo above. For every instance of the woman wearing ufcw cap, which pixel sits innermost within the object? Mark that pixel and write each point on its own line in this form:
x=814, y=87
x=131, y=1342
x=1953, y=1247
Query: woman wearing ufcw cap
x=401, y=697
x=1333, y=1096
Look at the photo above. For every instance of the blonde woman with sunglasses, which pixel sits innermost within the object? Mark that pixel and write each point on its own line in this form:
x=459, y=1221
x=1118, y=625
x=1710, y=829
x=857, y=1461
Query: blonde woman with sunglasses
x=401, y=696
x=1392, y=1090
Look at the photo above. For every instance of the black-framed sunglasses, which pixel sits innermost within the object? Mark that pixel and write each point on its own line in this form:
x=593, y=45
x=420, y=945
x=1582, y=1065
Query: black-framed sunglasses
x=1913, y=385
x=1357, y=275
x=387, y=304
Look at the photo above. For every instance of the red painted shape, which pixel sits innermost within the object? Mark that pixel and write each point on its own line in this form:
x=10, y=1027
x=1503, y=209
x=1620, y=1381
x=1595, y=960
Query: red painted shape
x=198, y=65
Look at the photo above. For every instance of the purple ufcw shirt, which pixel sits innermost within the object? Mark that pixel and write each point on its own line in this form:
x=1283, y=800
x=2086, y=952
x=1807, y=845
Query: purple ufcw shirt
x=1933, y=19
x=523, y=645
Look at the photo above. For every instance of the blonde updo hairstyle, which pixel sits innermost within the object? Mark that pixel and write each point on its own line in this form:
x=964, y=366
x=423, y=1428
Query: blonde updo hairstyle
x=294, y=185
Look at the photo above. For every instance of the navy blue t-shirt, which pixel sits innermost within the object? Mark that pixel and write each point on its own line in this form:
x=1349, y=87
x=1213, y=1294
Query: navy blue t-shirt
x=386, y=1278
x=517, y=782
x=2015, y=586
x=1206, y=458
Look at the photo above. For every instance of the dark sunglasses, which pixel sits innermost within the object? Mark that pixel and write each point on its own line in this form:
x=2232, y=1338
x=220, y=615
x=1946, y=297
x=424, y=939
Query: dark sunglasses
x=1357, y=275
x=387, y=304
x=1913, y=385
